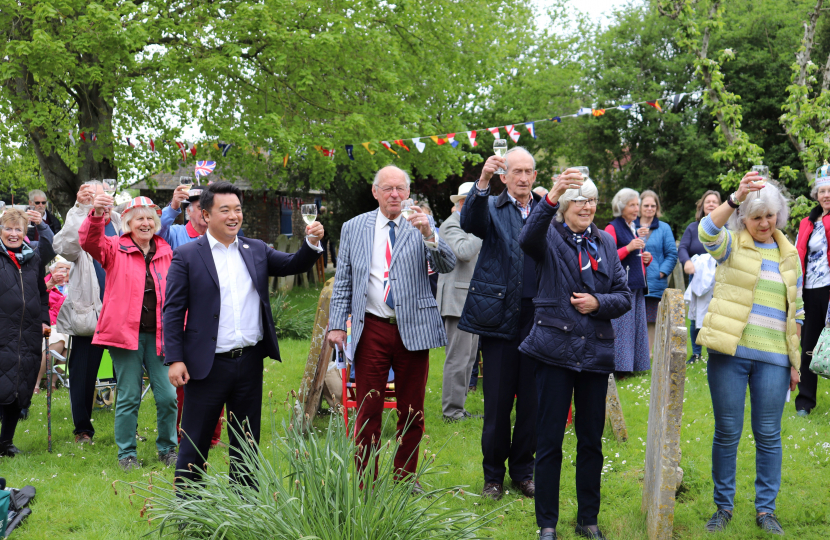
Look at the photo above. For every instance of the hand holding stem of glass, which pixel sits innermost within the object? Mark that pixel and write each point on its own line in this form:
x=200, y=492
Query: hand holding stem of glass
x=309, y=212
x=763, y=172
x=500, y=149
x=186, y=182
x=110, y=187
x=406, y=208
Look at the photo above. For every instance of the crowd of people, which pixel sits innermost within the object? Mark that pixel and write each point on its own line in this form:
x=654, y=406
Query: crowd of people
x=525, y=280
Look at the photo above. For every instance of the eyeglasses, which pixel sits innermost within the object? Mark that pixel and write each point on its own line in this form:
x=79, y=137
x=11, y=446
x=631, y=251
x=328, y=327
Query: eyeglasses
x=17, y=230
x=391, y=189
x=581, y=204
x=40, y=203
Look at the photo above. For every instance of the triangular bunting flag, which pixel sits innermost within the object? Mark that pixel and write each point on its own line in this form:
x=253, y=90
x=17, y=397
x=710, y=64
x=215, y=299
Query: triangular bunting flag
x=366, y=146
x=71, y=138
x=583, y=110
x=83, y=136
x=531, y=128
x=400, y=143
x=152, y=145
x=512, y=133
x=131, y=145
x=182, y=150
x=655, y=104
x=556, y=119
x=451, y=139
x=419, y=145
x=388, y=147
x=193, y=150
x=438, y=140
x=325, y=151
x=94, y=136
x=350, y=151
x=495, y=132
x=285, y=161
x=472, y=136
x=597, y=112
x=625, y=107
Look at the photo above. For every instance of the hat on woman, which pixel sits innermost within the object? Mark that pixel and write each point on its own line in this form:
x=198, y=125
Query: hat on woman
x=463, y=190
x=823, y=175
x=138, y=202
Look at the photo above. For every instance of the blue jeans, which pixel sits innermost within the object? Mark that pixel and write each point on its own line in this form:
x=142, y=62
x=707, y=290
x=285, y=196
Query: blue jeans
x=768, y=384
x=693, y=331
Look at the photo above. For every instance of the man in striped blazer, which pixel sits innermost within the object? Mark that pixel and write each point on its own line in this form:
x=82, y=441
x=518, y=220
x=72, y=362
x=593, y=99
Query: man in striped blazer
x=382, y=281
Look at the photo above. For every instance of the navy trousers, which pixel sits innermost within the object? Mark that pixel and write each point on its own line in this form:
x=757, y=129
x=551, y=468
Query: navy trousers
x=509, y=375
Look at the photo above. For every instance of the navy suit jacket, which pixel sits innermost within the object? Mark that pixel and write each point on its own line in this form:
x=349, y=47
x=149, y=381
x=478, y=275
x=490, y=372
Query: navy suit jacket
x=193, y=291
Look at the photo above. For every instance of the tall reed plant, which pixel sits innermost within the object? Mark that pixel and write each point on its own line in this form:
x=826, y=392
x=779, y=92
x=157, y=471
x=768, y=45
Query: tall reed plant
x=306, y=486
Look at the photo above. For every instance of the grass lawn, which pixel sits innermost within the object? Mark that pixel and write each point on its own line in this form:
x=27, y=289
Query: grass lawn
x=75, y=498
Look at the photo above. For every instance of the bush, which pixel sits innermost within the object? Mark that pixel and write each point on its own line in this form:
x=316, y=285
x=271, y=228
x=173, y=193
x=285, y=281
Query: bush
x=307, y=487
x=289, y=320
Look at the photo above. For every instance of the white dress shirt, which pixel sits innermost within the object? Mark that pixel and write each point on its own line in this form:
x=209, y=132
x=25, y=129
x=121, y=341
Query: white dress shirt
x=240, y=314
x=374, y=300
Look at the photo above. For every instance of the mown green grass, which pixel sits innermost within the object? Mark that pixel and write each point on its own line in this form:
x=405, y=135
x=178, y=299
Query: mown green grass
x=76, y=500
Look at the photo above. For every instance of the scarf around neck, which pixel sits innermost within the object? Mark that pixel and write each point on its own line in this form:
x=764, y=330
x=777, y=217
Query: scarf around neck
x=589, y=259
x=25, y=254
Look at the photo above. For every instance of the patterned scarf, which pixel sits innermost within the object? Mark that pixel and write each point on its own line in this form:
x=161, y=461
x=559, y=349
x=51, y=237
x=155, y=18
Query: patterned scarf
x=25, y=254
x=589, y=259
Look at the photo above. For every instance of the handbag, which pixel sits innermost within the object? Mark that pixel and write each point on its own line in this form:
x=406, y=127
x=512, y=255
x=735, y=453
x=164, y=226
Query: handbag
x=820, y=364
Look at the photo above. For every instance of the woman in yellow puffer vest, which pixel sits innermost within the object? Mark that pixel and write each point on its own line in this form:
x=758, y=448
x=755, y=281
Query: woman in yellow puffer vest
x=752, y=331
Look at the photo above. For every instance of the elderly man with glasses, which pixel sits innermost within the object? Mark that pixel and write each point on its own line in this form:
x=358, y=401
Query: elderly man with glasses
x=37, y=200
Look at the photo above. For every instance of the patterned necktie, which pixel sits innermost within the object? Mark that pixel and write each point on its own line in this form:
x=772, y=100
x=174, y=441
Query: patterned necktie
x=388, y=297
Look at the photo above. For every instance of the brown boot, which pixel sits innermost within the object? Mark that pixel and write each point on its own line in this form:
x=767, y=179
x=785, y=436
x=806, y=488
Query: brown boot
x=493, y=490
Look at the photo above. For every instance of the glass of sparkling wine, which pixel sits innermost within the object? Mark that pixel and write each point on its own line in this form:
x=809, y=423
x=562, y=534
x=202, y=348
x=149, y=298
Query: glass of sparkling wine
x=584, y=172
x=763, y=172
x=406, y=208
x=186, y=182
x=500, y=149
x=2, y=207
x=110, y=187
x=309, y=212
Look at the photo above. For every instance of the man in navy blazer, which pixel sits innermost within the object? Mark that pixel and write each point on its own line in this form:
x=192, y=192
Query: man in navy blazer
x=217, y=292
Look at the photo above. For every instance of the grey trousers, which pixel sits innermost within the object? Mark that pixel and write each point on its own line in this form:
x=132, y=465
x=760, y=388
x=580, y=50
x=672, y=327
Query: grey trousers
x=462, y=348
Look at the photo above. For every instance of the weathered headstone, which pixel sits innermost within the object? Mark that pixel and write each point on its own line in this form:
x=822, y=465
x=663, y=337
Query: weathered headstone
x=318, y=359
x=613, y=411
x=665, y=416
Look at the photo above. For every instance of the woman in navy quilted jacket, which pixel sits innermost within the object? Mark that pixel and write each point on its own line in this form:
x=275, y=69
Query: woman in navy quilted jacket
x=581, y=287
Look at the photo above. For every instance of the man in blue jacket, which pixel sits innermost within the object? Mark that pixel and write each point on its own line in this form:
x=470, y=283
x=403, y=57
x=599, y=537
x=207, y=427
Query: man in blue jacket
x=499, y=308
x=177, y=235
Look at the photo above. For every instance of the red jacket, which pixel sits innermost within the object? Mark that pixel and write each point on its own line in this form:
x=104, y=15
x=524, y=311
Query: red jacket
x=56, y=299
x=123, y=261
x=805, y=230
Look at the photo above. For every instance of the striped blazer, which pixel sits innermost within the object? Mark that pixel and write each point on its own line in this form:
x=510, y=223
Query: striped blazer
x=419, y=322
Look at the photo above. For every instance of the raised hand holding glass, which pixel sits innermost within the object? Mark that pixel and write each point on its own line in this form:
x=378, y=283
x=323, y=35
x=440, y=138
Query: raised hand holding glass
x=500, y=149
x=309, y=212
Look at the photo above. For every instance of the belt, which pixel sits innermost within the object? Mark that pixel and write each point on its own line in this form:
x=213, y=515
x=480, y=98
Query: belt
x=235, y=353
x=390, y=320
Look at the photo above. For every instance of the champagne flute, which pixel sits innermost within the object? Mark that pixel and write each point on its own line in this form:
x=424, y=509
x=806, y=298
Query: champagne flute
x=2, y=208
x=584, y=172
x=500, y=149
x=642, y=237
x=406, y=208
x=110, y=187
x=309, y=212
x=186, y=182
x=763, y=172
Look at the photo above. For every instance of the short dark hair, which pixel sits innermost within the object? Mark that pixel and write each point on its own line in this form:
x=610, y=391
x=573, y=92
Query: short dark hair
x=206, y=200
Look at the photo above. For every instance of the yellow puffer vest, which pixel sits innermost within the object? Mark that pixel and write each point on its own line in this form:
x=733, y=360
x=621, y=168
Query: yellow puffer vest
x=735, y=282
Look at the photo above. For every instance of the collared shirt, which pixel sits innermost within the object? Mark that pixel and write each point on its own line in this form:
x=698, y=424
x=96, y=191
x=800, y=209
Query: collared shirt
x=525, y=210
x=240, y=314
x=374, y=299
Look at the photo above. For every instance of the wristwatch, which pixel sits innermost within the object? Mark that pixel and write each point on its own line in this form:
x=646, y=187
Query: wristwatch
x=732, y=201
x=431, y=236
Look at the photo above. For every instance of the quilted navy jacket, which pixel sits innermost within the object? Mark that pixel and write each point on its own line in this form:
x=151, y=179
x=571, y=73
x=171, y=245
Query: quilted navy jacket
x=561, y=335
x=495, y=296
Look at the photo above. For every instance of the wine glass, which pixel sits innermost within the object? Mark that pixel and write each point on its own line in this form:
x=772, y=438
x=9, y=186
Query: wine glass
x=2, y=208
x=406, y=208
x=309, y=212
x=584, y=172
x=186, y=182
x=763, y=172
x=110, y=187
x=642, y=236
x=500, y=149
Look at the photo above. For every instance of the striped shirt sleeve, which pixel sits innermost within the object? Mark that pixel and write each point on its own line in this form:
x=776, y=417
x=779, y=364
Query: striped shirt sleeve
x=718, y=242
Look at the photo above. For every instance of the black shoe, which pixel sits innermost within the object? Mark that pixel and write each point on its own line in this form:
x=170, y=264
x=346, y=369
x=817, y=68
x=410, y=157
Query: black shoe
x=585, y=532
x=169, y=458
x=694, y=358
x=769, y=523
x=547, y=536
x=7, y=449
x=493, y=491
x=24, y=414
x=129, y=463
x=718, y=521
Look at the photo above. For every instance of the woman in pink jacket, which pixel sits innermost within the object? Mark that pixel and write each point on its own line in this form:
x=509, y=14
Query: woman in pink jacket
x=55, y=284
x=130, y=324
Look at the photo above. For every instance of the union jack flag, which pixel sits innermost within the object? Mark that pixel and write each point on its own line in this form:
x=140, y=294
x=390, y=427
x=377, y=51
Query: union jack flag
x=204, y=168
x=387, y=284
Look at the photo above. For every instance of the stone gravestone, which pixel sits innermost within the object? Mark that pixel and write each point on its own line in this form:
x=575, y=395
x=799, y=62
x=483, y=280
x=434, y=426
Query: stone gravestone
x=613, y=411
x=319, y=353
x=668, y=375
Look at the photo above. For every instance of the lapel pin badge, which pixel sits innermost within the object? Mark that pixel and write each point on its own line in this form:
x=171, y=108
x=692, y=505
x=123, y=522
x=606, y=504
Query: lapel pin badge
x=245, y=246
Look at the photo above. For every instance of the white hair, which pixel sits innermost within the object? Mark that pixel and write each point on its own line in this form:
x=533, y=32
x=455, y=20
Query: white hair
x=769, y=200
x=140, y=211
x=589, y=189
x=59, y=260
x=621, y=200
x=814, y=192
x=513, y=151
x=36, y=193
x=378, y=174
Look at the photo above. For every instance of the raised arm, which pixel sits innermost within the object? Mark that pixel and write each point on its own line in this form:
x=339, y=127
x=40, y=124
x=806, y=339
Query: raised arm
x=168, y=216
x=92, y=233
x=534, y=237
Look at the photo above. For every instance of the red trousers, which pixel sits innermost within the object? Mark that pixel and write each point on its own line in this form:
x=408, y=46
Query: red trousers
x=217, y=434
x=380, y=348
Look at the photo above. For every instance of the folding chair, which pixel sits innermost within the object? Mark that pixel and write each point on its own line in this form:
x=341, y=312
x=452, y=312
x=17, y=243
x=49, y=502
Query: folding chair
x=350, y=395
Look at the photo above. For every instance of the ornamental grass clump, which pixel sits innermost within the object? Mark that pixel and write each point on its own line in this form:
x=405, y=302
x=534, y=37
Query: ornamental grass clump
x=305, y=486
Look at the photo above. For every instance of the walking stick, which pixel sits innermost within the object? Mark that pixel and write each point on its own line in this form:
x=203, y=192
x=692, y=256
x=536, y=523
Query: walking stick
x=46, y=333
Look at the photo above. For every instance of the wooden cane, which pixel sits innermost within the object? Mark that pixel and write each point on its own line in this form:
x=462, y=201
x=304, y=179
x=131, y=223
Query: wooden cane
x=46, y=333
